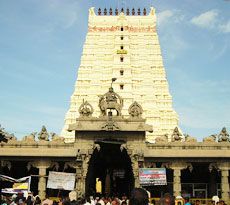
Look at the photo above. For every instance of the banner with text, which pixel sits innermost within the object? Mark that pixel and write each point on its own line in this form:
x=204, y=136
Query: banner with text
x=16, y=185
x=61, y=180
x=152, y=176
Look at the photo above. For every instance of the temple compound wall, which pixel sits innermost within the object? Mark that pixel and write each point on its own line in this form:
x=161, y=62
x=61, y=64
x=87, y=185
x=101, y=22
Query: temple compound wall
x=183, y=160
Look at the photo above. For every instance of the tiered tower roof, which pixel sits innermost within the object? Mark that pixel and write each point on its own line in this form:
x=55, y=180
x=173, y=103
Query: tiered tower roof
x=124, y=45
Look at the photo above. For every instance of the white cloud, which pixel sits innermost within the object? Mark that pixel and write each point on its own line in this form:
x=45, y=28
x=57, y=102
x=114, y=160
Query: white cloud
x=167, y=21
x=64, y=13
x=176, y=46
x=164, y=16
x=211, y=20
x=225, y=28
x=206, y=20
x=169, y=17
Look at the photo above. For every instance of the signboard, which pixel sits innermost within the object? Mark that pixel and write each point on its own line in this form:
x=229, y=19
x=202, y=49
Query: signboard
x=122, y=51
x=152, y=176
x=61, y=180
x=19, y=185
x=119, y=173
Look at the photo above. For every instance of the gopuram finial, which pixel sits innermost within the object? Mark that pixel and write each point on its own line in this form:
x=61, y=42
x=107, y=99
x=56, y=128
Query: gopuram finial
x=99, y=11
x=105, y=11
x=133, y=11
x=116, y=11
x=139, y=12
x=124, y=11
x=110, y=12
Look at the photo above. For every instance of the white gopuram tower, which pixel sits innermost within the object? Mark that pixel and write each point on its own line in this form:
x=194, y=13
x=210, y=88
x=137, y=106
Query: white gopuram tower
x=124, y=45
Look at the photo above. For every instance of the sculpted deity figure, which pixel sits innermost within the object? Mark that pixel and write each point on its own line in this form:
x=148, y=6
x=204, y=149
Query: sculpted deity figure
x=110, y=100
x=211, y=138
x=56, y=138
x=5, y=136
x=176, y=136
x=135, y=110
x=30, y=137
x=223, y=136
x=43, y=135
x=189, y=139
x=111, y=96
x=110, y=125
x=162, y=139
x=85, y=110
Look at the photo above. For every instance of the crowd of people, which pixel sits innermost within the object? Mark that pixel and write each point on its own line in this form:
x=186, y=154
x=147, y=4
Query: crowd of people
x=138, y=196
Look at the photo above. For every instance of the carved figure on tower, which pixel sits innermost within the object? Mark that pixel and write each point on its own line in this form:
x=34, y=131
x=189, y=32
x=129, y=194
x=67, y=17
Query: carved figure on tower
x=43, y=135
x=211, y=138
x=176, y=136
x=85, y=110
x=223, y=136
x=111, y=101
x=5, y=136
x=30, y=137
x=135, y=110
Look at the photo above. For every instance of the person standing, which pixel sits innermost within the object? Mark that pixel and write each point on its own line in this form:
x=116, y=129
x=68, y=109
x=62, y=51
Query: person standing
x=139, y=197
x=186, y=201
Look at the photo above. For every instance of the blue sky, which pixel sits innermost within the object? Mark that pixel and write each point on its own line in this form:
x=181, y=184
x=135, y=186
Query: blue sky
x=41, y=43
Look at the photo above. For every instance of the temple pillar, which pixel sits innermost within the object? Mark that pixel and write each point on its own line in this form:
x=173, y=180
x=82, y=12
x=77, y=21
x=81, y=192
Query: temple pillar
x=212, y=183
x=213, y=168
x=85, y=165
x=176, y=182
x=79, y=181
x=224, y=167
x=42, y=165
x=78, y=166
x=177, y=167
x=81, y=166
x=135, y=158
x=224, y=184
x=42, y=182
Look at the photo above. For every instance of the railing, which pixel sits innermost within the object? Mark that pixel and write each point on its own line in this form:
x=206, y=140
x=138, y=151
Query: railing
x=203, y=201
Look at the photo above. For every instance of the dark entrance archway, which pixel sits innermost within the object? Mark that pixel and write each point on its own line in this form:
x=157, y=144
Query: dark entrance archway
x=112, y=167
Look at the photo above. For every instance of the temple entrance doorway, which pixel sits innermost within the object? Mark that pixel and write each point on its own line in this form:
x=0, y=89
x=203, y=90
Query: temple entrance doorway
x=110, y=171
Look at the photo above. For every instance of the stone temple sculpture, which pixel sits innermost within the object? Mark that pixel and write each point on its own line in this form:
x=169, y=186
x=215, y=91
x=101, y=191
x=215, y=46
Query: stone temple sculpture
x=5, y=136
x=43, y=134
x=209, y=139
x=135, y=110
x=189, y=139
x=30, y=137
x=223, y=136
x=110, y=100
x=85, y=110
x=162, y=139
x=176, y=136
